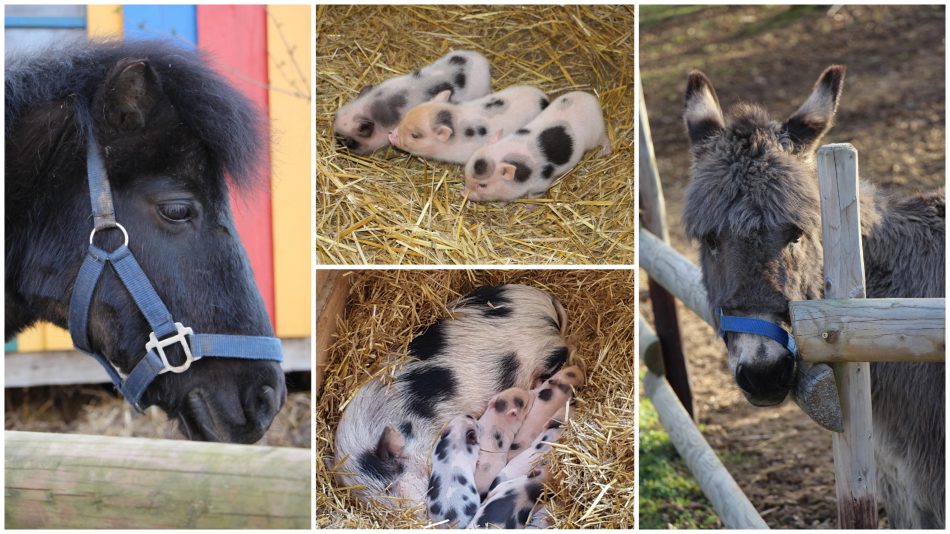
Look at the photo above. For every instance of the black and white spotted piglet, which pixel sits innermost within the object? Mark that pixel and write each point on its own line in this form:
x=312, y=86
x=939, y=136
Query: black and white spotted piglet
x=525, y=162
x=452, y=496
x=512, y=503
x=363, y=125
x=495, y=338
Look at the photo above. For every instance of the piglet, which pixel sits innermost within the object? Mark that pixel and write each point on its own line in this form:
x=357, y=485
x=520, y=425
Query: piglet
x=452, y=496
x=363, y=125
x=498, y=426
x=510, y=505
x=550, y=400
x=451, y=132
x=525, y=162
x=531, y=457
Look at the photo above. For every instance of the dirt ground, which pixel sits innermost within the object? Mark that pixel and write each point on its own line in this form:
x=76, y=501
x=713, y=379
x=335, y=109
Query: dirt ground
x=892, y=109
x=97, y=409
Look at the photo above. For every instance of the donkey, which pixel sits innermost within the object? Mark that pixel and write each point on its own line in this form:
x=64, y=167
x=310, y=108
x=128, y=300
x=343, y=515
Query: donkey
x=752, y=204
x=168, y=128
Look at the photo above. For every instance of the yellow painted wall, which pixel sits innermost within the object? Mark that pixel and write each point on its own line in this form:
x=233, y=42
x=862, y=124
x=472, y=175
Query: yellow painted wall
x=290, y=102
x=104, y=20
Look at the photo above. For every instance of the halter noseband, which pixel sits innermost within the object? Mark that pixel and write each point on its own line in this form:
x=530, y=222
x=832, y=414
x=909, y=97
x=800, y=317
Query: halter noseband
x=760, y=327
x=165, y=331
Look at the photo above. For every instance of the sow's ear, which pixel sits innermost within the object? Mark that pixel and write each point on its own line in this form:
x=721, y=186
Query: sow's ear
x=132, y=90
x=807, y=125
x=702, y=114
x=391, y=444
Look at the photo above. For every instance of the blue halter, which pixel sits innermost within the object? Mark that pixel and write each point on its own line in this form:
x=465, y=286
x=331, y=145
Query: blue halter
x=749, y=325
x=165, y=331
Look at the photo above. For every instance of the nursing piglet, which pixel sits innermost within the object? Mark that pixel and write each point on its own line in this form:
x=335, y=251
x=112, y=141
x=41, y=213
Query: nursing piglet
x=452, y=495
x=451, y=132
x=363, y=125
x=525, y=162
x=498, y=426
x=510, y=505
x=531, y=457
x=492, y=339
x=549, y=401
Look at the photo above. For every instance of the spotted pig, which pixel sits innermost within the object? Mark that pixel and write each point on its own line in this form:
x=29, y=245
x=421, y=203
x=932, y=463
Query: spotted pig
x=498, y=426
x=363, y=125
x=525, y=162
x=530, y=457
x=451, y=495
x=450, y=132
x=494, y=338
x=550, y=400
x=511, y=504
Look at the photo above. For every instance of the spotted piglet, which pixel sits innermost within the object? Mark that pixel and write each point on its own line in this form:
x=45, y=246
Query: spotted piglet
x=363, y=125
x=511, y=504
x=531, y=457
x=498, y=426
x=525, y=162
x=450, y=132
x=452, y=496
x=550, y=400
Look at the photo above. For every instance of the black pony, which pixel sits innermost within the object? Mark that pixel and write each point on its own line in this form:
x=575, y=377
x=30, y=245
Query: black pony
x=169, y=128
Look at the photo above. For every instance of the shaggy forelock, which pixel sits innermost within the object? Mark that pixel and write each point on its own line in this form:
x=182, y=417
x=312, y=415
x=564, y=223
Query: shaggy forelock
x=220, y=116
x=744, y=182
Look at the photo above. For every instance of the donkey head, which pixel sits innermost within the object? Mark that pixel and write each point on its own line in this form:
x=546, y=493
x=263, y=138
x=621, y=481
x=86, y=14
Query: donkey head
x=752, y=204
x=167, y=130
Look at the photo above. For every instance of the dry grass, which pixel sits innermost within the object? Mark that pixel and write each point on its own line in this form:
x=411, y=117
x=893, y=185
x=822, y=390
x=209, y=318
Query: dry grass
x=592, y=468
x=390, y=208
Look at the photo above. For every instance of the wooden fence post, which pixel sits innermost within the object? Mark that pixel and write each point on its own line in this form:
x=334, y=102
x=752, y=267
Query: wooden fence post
x=653, y=218
x=855, y=472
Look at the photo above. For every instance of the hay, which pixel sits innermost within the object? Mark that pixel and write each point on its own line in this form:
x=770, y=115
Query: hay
x=592, y=467
x=391, y=208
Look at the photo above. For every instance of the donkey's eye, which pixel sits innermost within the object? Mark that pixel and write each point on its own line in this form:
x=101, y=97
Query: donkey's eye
x=711, y=242
x=176, y=211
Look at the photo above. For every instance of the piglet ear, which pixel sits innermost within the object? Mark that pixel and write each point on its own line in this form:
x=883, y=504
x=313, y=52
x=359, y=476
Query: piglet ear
x=443, y=96
x=807, y=125
x=443, y=133
x=365, y=89
x=391, y=444
x=507, y=171
x=496, y=136
x=132, y=91
x=703, y=115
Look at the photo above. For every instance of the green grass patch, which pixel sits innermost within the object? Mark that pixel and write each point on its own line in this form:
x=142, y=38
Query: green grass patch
x=669, y=496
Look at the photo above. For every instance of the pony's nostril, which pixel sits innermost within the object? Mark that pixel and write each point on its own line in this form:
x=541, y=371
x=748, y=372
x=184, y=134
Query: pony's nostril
x=265, y=407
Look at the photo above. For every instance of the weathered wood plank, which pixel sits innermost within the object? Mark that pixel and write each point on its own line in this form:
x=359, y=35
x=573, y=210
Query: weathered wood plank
x=674, y=272
x=855, y=471
x=29, y=369
x=99, y=482
x=333, y=288
x=732, y=506
x=866, y=330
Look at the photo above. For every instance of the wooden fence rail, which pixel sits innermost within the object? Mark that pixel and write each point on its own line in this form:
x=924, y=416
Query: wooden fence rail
x=79, y=481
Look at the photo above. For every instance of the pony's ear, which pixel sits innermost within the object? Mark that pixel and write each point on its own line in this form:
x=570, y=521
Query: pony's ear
x=807, y=125
x=132, y=90
x=702, y=114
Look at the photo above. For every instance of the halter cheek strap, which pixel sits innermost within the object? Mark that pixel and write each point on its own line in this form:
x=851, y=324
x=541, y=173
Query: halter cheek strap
x=760, y=327
x=165, y=331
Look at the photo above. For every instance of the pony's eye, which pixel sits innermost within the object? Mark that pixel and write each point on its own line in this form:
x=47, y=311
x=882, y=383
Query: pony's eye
x=793, y=235
x=711, y=242
x=176, y=211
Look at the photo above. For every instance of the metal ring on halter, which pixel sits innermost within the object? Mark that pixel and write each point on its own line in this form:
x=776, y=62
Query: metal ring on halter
x=117, y=225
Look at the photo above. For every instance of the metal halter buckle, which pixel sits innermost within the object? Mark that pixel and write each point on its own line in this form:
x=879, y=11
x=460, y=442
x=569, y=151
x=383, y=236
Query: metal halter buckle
x=160, y=344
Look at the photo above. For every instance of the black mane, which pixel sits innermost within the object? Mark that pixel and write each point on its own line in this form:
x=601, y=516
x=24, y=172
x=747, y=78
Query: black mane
x=221, y=117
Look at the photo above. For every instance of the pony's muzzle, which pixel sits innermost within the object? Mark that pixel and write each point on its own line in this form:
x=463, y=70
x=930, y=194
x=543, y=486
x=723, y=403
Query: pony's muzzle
x=767, y=376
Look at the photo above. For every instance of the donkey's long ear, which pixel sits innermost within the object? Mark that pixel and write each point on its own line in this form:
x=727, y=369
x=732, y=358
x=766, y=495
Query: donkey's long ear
x=132, y=90
x=807, y=125
x=703, y=115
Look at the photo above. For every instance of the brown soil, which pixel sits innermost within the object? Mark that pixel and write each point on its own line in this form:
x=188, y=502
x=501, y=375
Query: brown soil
x=892, y=110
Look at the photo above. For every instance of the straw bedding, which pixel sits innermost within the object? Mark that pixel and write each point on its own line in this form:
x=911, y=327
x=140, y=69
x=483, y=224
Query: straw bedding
x=592, y=467
x=391, y=208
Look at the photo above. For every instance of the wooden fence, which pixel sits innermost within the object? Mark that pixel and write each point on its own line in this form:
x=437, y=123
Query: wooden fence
x=845, y=330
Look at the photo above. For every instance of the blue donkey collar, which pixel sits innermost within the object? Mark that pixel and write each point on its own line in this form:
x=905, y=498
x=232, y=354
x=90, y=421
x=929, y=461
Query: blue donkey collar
x=165, y=330
x=760, y=327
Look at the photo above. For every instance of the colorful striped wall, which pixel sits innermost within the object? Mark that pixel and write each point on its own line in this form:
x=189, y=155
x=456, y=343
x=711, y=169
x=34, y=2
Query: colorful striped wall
x=264, y=51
